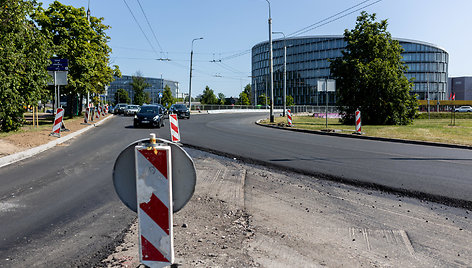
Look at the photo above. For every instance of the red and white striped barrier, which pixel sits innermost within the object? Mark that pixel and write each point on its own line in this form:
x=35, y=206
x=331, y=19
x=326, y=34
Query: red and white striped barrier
x=154, y=200
x=358, y=122
x=102, y=109
x=289, y=118
x=97, y=113
x=106, y=109
x=56, y=128
x=174, y=128
x=86, y=116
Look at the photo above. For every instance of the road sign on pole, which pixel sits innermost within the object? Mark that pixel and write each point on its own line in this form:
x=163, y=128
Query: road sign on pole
x=184, y=175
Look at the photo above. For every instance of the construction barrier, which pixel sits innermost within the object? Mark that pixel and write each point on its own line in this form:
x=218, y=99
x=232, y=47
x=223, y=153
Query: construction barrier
x=102, y=109
x=174, y=128
x=358, y=122
x=154, y=203
x=97, y=113
x=289, y=118
x=56, y=128
x=86, y=116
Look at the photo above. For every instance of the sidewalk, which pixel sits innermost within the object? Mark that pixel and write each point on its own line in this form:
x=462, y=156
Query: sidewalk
x=22, y=145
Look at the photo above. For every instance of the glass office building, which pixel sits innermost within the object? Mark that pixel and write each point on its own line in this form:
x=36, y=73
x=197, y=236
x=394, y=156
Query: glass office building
x=307, y=62
x=157, y=85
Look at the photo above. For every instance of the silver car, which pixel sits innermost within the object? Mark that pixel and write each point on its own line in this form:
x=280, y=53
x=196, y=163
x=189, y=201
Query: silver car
x=131, y=110
x=464, y=109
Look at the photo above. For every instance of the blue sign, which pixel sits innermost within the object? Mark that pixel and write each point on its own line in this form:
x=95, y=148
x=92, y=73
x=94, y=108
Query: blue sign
x=160, y=94
x=58, y=65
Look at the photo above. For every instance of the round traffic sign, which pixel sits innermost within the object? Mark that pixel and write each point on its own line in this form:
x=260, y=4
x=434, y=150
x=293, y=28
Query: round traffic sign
x=184, y=175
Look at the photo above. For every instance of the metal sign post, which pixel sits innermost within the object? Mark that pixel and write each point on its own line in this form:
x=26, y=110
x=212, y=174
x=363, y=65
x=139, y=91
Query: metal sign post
x=155, y=178
x=327, y=85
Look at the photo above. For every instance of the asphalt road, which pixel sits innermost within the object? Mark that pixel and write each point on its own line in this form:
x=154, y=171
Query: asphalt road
x=442, y=174
x=59, y=208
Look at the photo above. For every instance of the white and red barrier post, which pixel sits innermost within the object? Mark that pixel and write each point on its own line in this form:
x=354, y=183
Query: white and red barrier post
x=86, y=116
x=97, y=114
x=102, y=108
x=56, y=128
x=154, y=204
x=358, y=122
x=174, y=128
x=289, y=118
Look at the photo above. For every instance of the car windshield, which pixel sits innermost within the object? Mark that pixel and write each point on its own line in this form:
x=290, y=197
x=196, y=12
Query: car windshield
x=180, y=106
x=149, y=110
x=133, y=106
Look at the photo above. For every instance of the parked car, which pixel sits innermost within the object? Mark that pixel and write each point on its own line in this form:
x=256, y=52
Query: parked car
x=464, y=109
x=180, y=110
x=120, y=108
x=111, y=109
x=131, y=110
x=151, y=115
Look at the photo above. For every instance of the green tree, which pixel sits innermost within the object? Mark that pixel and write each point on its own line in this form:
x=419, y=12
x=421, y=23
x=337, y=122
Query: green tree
x=208, y=96
x=248, y=91
x=243, y=99
x=263, y=100
x=221, y=99
x=24, y=56
x=167, y=97
x=370, y=76
x=121, y=96
x=84, y=44
x=139, y=84
x=289, y=100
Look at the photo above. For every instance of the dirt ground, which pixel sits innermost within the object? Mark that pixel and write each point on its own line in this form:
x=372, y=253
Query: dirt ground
x=243, y=215
x=30, y=136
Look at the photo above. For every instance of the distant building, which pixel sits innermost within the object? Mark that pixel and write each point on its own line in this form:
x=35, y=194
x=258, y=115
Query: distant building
x=157, y=85
x=307, y=62
x=461, y=86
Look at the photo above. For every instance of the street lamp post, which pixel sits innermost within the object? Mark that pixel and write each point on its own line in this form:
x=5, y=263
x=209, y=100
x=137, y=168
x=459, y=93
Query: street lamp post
x=271, y=82
x=285, y=73
x=190, y=82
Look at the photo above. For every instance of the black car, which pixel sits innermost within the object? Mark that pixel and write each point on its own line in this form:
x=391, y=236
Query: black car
x=180, y=110
x=151, y=115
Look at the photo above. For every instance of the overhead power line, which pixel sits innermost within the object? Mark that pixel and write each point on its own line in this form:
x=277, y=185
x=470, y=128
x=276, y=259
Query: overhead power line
x=149, y=24
x=145, y=35
x=313, y=26
x=333, y=18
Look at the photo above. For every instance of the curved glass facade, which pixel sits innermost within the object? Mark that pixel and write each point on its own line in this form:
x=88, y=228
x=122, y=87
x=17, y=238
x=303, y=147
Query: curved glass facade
x=307, y=62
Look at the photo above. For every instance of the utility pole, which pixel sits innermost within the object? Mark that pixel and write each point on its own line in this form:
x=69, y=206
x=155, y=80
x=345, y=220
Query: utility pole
x=190, y=82
x=88, y=19
x=271, y=82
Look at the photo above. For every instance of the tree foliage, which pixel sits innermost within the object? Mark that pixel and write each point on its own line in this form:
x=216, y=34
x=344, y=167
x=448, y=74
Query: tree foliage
x=370, y=76
x=248, y=91
x=121, y=96
x=208, y=96
x=244, y=99
x=139, y=84
x=221, y=99
x=289, y=101
x=263, y=100
x=24, y=56
x=167, y=98
x=84, y=44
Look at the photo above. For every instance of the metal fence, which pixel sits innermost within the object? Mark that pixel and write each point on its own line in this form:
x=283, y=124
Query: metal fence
x=295, y=109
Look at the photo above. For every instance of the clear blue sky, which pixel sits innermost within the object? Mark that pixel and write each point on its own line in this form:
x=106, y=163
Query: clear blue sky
x=231, y=27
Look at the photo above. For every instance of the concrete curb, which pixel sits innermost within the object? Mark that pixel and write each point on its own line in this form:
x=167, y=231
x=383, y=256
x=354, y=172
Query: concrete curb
x=10, y=159
x=426, y=143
